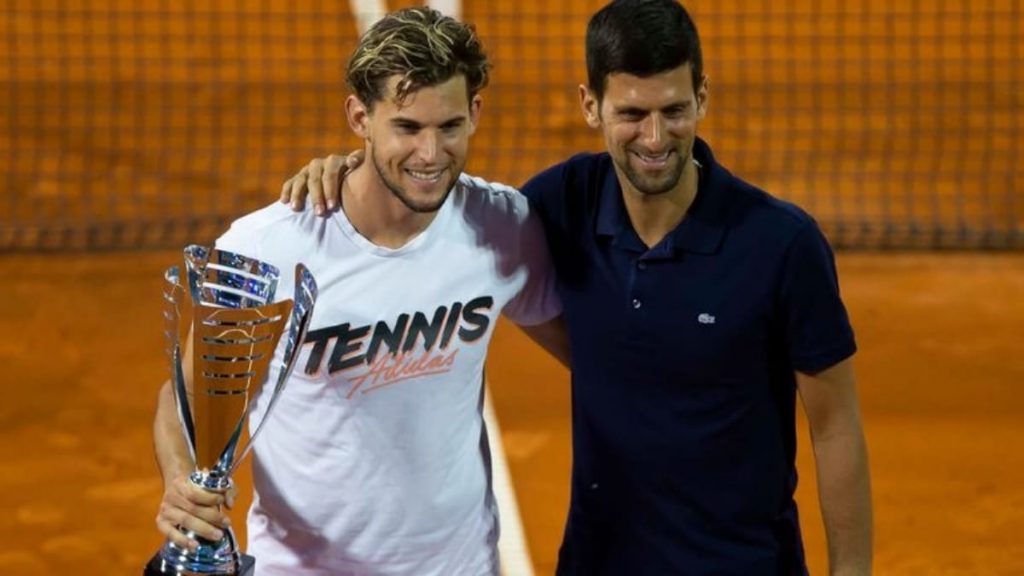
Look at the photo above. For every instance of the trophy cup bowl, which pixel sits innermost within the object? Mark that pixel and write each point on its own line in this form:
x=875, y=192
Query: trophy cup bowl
x=235, y=327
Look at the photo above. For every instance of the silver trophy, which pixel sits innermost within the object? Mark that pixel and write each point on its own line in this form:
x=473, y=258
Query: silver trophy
x=235, y=327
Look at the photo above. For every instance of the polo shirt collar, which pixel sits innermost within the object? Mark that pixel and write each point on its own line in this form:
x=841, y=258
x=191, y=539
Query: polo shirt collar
x=701, y=230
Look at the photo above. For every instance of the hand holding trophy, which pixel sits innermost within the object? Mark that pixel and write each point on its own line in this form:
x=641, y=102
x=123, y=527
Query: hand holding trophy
x=235, y=326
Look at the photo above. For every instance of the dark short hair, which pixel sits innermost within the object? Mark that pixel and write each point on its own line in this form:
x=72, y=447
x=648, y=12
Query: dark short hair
x=642, y=38
x=423, y=47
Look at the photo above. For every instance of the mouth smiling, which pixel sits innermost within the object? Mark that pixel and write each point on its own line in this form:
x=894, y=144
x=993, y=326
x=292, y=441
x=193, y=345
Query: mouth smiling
x=653, y=160
x=427, y=177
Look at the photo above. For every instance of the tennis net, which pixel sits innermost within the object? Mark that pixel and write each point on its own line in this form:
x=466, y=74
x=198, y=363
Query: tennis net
x=152, y=123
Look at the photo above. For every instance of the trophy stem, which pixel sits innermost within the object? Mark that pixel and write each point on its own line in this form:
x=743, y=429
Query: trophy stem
x=211, y=480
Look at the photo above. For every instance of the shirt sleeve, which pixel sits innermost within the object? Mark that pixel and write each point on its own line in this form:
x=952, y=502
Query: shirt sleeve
x=239, y=239
x=816, y=323
x=537, y=302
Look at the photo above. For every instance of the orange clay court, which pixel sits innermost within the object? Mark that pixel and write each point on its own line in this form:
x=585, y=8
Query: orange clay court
x=939, y=370
x=151, y=124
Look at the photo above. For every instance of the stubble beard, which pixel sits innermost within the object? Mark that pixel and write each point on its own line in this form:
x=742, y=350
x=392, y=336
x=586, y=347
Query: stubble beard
x=651, y=186
x=404, y=196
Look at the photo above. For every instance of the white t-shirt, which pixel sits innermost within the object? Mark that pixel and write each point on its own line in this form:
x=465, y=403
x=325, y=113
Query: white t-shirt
x=372, y=463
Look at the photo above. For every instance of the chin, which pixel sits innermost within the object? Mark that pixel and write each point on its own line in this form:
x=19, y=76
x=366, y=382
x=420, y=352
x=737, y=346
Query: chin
x=425, y=203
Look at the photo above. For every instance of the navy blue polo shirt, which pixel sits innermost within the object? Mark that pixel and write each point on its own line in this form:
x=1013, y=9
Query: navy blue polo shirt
x=683, y=359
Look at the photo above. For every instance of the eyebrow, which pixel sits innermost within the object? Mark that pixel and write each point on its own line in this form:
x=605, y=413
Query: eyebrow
x=639, y=110
x=409, y=122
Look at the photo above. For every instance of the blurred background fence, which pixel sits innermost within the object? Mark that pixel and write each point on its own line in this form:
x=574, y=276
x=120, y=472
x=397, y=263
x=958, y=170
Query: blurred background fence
x=152, y=123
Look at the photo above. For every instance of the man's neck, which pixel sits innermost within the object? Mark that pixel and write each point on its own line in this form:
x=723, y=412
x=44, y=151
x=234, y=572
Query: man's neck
x=376, y=213
x=655, y=215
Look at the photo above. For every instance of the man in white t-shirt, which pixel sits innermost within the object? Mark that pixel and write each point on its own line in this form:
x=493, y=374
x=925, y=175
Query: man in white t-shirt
x=374, y=460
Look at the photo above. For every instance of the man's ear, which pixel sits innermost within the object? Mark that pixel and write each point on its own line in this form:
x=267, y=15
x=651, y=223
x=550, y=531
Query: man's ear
x=474, y=113
x=591, y=107
x=358, y=116
x=702, y=98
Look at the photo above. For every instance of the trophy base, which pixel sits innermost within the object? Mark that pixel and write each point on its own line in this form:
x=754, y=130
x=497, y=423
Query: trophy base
x=159, y=567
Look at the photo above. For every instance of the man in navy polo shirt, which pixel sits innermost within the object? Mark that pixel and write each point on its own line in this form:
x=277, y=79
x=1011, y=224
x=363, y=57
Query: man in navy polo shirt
x=696, y=306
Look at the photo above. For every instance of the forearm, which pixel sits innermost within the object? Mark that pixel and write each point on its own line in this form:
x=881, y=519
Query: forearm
x=844, y=490
x=172, y=453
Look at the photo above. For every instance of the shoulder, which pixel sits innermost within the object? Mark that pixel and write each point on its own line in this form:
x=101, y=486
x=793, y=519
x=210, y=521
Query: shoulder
x=766, y=215
x=265, y=217
x=491, y=201
x=495, y=215
x=752, y=216
x=566, y=195
x=780, y=233
x=783, y=212
x=273, y=225
x=574, y=176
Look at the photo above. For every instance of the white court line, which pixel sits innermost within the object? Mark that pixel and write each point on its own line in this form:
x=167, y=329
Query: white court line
x=515, y=555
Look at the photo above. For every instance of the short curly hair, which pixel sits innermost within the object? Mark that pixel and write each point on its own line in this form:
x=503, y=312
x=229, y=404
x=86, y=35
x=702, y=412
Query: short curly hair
x=423, y=47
